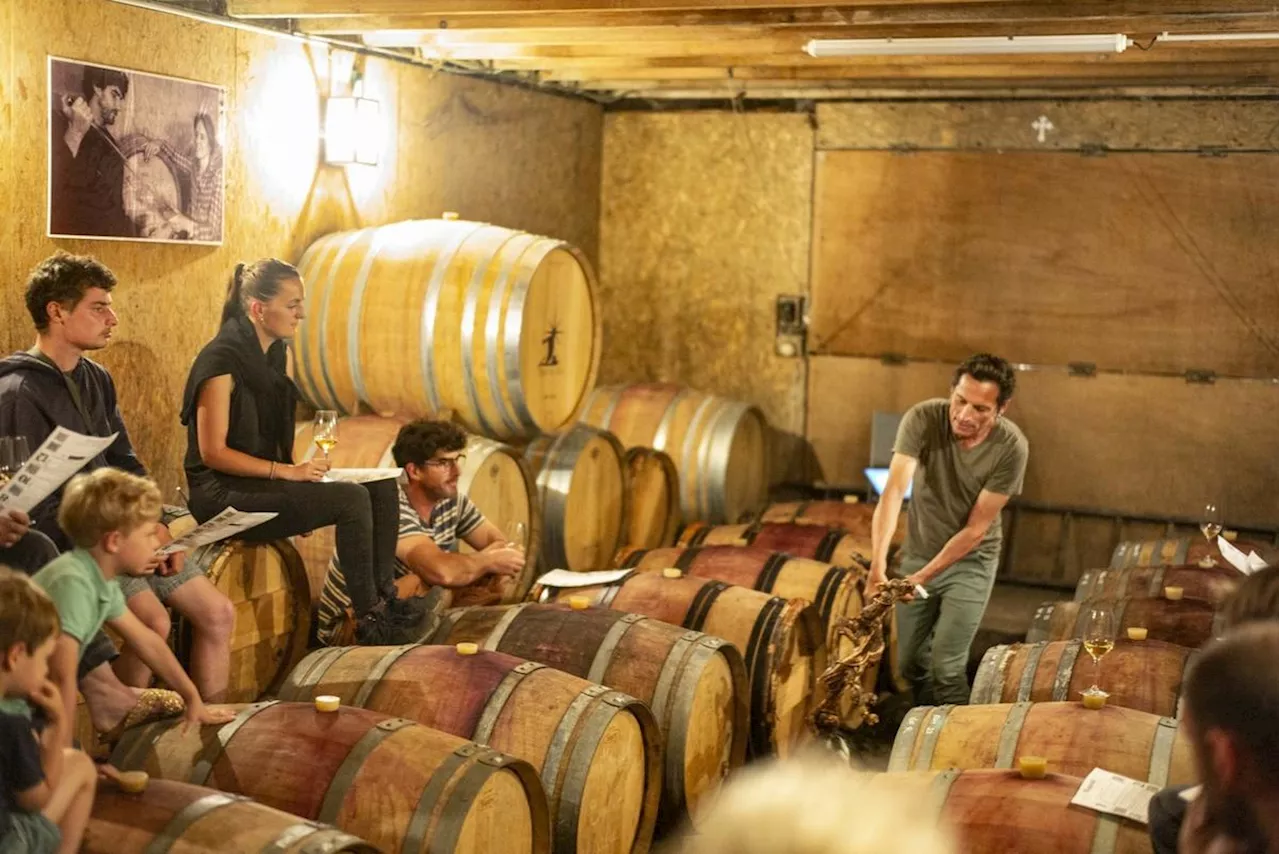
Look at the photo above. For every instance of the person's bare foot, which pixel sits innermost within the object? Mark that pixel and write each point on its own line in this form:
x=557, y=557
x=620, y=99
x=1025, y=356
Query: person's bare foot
x=108, y=699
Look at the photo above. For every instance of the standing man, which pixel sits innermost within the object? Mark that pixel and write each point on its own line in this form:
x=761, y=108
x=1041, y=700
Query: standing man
x=55, y=385
x=964, y=461
x=87, y=161
x=433, y=517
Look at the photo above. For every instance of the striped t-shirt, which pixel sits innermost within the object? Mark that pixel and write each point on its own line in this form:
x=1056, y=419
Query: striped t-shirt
x=451, y=519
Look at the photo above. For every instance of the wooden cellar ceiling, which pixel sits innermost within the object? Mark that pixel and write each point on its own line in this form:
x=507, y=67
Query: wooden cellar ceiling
x=755, y=49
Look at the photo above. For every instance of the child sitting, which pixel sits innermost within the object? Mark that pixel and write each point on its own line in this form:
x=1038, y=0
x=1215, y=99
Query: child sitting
x=46, y=790
x=112, y=517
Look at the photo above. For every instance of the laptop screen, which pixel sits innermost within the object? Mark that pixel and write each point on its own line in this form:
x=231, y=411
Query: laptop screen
x=880, y=478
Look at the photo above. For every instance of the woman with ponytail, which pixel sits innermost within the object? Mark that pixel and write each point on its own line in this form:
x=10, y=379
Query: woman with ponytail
x=238, y=408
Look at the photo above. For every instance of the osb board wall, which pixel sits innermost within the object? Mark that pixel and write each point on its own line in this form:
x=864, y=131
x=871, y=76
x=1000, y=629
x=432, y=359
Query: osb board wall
x=704, y=222
x=1146, y=445
x=516, y=158
x=1146, y=125
x=1158, y=262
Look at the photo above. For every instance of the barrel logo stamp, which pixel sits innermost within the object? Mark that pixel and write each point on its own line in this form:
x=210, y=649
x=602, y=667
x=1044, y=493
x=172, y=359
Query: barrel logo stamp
x=550, y=360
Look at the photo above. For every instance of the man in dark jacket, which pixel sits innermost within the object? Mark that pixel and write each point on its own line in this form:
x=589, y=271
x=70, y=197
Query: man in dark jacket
x=54, y=385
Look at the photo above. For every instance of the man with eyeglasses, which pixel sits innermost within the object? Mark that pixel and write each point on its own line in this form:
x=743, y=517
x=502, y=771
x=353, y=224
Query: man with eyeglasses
x=433, y=518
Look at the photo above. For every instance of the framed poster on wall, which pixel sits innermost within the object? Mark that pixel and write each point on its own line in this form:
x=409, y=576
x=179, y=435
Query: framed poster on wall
x=134, y=156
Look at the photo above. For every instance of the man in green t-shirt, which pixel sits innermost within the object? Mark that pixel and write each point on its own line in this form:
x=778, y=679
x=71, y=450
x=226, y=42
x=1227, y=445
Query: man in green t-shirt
x=964, y=461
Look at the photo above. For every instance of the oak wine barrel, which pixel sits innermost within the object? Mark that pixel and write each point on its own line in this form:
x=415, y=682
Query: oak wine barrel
x=780, y=640
x=695, y=684
x=835, y=592
x=853, y=516
x=653, y=499
x=499, y=326
x=1180, y=551
x=267, y=585
x=1186, y=622
x=1073, y=739
x=178, y=818
x=815, y=542
x=402, y=786
x=719, y=446
x=990, y=811
x=581, y=494
x=1211, y=584
x=1145, y=675
x=597, y=751
x=494, y=477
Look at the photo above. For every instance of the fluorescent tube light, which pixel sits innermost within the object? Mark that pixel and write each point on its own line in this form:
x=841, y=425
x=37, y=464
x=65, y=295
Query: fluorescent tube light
x=1217, y=37
x=1113, y=43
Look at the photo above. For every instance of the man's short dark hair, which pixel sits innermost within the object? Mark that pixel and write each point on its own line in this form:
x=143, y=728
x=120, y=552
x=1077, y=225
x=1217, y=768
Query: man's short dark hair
x=1254, y=599
x=63, y=278
x=986, y=368
x=1232, y=685
x=419, y=441
x=100, y=78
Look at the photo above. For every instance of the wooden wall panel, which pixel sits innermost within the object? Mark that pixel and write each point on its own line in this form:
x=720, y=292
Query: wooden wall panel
x=516, y=158
x=1144, y=445
x=1137, y=261
x=1138, y=124
x=704, y=222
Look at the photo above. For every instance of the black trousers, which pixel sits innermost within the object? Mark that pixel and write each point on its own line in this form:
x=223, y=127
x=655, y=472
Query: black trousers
x=28, y=555
x=1164, y=819
x=366, y=516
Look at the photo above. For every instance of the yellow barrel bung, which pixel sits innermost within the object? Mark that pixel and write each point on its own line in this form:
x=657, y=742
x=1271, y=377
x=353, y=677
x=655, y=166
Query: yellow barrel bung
x=327, y=703
x=1173, y=594
x=1094, y=699
x=467, y=648
x=1033, y=767
x=1137, y=633
x=579, y=603
x=672, y=572
x=133, y=782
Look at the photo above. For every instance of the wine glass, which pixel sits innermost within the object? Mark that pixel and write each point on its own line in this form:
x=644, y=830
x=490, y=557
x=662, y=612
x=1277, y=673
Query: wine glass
x=324, y=433
x=21, y=452
x=1210, y=526
x=516, y=532
x=1099, y=639
x=7, y=468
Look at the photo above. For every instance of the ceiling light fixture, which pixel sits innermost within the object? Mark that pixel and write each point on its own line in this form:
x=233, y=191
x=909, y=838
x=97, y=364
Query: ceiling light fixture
x=1217, y=37
x=1113, y=43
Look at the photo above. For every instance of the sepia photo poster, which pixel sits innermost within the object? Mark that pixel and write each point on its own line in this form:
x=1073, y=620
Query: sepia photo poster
x=134, y=156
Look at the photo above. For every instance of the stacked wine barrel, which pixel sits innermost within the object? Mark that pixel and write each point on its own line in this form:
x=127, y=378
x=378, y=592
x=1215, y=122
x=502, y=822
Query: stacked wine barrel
x=1026, y=701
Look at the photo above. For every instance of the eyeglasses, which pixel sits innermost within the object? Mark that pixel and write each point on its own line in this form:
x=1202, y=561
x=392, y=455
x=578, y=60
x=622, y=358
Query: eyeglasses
x=446, y=462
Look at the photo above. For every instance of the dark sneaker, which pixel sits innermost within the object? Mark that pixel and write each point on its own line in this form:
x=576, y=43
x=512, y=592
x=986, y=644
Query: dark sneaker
x=420, y=613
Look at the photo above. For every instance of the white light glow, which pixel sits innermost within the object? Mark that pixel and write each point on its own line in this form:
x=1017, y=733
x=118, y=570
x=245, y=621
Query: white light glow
x=1115, y=43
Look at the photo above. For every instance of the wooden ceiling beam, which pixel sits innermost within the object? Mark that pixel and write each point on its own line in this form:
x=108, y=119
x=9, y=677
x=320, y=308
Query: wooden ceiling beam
x=1180, y=73
x=711, y=35
x=796, y=59
x=515, y=13
x=683, y=90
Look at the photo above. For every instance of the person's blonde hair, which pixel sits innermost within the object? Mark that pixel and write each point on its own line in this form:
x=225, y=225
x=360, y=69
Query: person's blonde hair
x=27, y=614
x=815, y=805
x=107, y=500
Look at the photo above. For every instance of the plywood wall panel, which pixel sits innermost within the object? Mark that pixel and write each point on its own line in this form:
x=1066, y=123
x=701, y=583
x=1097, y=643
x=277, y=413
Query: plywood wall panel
x=514, y=157
x=1142, y=124
x=1139, y=262
x=1144, y=445
x=705, y=221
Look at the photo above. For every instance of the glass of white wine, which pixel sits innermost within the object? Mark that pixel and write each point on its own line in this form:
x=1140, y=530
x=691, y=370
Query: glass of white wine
x=516, y=532
x=1099, y=639
x=324, y=432
x=1210, y=526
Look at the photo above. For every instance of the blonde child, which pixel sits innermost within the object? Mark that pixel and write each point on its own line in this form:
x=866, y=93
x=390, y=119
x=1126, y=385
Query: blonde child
x=112, y=517
x=46, y=789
